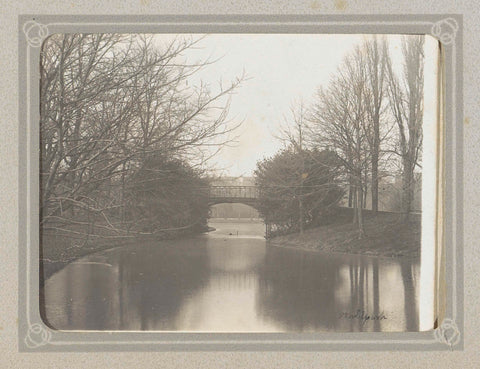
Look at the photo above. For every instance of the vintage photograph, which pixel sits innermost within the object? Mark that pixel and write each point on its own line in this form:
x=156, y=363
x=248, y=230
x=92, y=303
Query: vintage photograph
x=237, y=182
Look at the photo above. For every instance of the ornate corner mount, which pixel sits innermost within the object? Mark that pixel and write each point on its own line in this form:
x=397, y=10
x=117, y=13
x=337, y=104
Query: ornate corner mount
x=445, y=30
x=35, y=33
x=447, y=333
x=37, y=336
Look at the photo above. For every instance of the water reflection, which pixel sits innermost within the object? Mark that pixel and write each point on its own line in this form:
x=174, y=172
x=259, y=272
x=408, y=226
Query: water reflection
x=140, y=288
x=229, y=281
x=317, y=292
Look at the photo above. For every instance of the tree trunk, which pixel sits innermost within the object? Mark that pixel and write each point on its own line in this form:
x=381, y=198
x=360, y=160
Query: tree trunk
x=407, y=189
x=361, y=231
x=365, y=192
x=123, y=205
x=350, y=196
x=351, y=192
x=300, y=208
x=355, y=206
x=374, y=189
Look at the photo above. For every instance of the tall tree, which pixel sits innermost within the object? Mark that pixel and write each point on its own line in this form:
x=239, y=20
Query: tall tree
x=339, y=123
x=406, y=102
x=292, y=136
x=376, y=53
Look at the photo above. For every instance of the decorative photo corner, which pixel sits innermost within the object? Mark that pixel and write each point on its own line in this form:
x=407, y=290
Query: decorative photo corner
x=163, y=209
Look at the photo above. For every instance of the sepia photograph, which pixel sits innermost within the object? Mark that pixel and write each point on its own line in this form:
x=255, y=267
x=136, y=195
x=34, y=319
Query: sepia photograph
x=239, y=182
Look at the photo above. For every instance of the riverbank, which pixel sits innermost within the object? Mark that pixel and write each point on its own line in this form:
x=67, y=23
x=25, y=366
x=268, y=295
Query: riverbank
x=57, y=251
x=385, y=236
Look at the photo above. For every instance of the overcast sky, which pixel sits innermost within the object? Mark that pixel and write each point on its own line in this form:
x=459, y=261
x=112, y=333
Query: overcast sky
x=282, y=68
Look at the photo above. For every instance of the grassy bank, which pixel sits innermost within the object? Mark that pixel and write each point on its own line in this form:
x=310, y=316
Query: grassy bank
x=384, y=236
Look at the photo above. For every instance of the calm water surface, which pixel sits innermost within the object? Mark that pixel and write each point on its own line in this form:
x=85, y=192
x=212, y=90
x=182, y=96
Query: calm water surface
x=232, y=280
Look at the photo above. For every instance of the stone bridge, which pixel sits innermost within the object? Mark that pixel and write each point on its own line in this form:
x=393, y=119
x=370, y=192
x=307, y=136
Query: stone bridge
x=247, y=195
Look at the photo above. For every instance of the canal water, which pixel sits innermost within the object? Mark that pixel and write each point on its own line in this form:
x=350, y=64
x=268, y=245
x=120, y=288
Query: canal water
x=231, y=280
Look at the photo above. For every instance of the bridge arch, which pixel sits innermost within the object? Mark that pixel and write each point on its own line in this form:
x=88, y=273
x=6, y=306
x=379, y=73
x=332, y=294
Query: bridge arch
x=247, y=195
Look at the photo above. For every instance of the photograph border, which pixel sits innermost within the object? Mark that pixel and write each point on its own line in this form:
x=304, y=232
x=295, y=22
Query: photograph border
x=35, y=336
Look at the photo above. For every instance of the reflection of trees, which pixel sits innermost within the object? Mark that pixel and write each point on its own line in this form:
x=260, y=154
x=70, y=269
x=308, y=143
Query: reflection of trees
x=157, y=295
x=306, y=292
x=376, y=294
x=146, y=287
x=140, y=290
x=360, y=299
x=410, y=300
x=298, y=290
x=367, y=298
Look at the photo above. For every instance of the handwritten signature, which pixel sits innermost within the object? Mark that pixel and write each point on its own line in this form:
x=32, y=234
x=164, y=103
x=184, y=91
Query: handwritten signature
x=362, y=316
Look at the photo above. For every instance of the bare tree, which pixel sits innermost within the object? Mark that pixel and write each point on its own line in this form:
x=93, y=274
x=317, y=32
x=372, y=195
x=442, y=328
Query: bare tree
x=293, y=136
x=376, y=53
x=406, y=102
x=76, y=134
x=109, y=101
x=339, y=122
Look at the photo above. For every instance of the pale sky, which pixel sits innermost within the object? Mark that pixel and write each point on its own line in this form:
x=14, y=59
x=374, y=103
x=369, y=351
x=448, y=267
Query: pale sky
x=282, y=68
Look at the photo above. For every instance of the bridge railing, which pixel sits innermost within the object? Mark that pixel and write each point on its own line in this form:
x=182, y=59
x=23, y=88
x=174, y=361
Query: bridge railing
x=246, y=192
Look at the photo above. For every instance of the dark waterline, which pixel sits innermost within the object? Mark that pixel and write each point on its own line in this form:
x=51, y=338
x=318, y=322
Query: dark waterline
x=232, y=280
